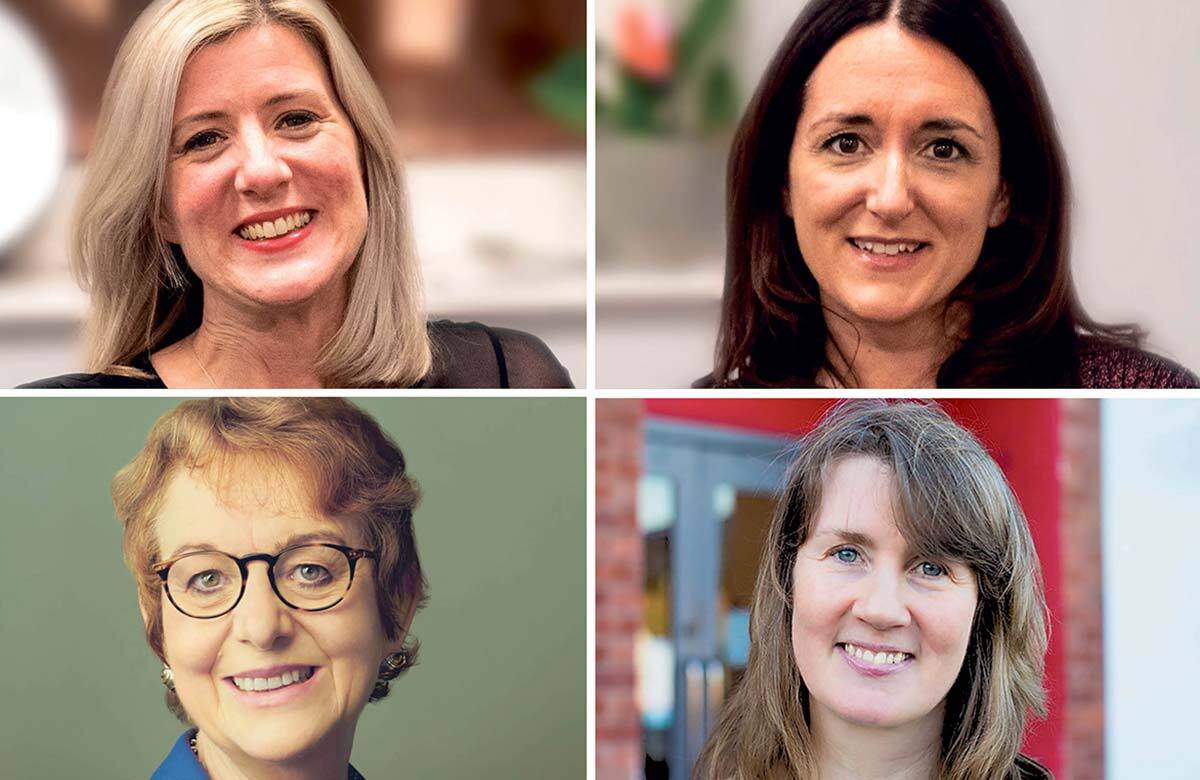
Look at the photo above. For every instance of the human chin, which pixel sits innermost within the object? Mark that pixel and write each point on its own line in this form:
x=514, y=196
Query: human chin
x=283, y=728
x=867, y=704
x=881, y=302
x=287, y=281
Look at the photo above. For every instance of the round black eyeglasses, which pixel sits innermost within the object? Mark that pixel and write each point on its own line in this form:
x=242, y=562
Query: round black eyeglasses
x=207, y=584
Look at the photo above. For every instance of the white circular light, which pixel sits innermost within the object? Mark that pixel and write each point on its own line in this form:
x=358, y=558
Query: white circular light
x=33, y=128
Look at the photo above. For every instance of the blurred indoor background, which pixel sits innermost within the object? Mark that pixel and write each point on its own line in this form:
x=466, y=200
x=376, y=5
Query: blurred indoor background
x=685, y=490
x=673, y=76
x=489, y=102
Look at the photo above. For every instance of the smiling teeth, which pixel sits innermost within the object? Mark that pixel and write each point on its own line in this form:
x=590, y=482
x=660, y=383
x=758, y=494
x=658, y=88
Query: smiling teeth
x=271, y=683
x=878, y=659
x=885, y=249
x=261, y=230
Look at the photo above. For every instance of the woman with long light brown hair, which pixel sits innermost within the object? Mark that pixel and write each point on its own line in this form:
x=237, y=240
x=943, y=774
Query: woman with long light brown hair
x=898, y=627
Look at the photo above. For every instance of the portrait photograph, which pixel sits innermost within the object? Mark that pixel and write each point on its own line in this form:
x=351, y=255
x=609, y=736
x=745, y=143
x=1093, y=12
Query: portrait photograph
x=298, y=193
x=896, y=194
x=300, y=587
x=894, y=588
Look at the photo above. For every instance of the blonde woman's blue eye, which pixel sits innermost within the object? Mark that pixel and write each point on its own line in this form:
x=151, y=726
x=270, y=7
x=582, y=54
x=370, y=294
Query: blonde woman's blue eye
x=932, y=569
x=846, y=555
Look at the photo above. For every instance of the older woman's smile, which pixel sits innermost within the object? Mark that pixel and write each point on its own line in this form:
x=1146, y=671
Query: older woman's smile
x=272, y=678
x=274, y=687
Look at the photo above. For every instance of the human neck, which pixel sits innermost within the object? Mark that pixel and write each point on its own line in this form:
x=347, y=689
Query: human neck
x=243, y=348
x=327, y=761
x=848, y=751
x=892, y=355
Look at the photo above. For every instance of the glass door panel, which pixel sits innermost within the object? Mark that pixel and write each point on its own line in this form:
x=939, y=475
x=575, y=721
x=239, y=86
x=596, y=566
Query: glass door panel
x=700, y=573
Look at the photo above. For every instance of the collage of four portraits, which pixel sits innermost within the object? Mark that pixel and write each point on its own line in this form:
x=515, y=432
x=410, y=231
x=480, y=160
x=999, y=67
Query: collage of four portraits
x=605, y=389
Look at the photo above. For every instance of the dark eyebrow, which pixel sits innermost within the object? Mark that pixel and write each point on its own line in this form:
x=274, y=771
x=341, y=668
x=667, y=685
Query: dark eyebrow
x=850, y=120
x=282, y=97
x=946, y=124
x=940, y=124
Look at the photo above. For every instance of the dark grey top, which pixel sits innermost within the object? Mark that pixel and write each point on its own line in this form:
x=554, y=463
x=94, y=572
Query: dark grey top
x=1102, y=365
x=465, y=354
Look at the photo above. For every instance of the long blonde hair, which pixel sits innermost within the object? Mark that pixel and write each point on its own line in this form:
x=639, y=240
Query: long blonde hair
x=952, y=502
x=143, y=295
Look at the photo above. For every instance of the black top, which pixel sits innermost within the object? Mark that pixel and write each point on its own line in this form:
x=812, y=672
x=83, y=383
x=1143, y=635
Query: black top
x=1028, y=769
x=1101, y=366
x=465, y=354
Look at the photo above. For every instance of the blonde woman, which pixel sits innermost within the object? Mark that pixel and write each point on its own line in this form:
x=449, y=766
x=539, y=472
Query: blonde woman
x=244, y=222
x=898, y=623
x=278, y=601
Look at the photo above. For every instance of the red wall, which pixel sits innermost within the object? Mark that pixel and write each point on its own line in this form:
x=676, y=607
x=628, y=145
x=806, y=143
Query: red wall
x=1021, y=434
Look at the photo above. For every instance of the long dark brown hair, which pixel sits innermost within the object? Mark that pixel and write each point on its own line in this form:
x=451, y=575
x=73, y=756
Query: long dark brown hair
x=1026, y=319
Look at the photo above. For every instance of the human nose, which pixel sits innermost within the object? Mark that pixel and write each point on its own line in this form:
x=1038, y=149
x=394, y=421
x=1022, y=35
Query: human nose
x=261, y=170
x=260, y=618
x=881, y=602
x=890, y=197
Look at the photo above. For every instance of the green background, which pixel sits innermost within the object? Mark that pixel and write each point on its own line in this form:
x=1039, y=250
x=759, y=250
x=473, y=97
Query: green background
x=499, y=690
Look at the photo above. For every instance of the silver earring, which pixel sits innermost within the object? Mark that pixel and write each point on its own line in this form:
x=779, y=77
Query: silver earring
x=167, y=677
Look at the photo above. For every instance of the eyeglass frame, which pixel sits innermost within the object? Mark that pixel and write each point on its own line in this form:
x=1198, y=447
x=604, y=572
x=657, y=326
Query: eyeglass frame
x=163, y=570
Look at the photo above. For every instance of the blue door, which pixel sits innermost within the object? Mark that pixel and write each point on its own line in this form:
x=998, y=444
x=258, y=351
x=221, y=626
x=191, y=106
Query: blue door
x=706, y=499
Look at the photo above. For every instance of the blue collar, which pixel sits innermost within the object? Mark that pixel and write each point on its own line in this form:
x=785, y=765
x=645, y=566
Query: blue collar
x=181, y=763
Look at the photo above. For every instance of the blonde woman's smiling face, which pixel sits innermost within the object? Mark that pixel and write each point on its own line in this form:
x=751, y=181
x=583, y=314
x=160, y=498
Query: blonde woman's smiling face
x=878, y=634
x=261, y=147
x=894, y=175
x=338, y=651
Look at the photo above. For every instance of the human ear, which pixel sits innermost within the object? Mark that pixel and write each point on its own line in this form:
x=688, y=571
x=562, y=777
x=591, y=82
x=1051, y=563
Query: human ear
x=787, y=199
x=1000, y=207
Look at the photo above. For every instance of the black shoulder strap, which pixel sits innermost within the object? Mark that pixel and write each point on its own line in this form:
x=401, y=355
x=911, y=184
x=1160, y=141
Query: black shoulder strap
x=501, y=363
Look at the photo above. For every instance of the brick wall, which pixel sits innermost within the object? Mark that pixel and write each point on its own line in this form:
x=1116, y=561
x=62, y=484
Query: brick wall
x=619, y=575
x=1079, y=474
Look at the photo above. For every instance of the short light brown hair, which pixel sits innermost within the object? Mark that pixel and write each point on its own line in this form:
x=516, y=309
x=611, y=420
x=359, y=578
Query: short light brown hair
x=353, y=472
x=952, y=502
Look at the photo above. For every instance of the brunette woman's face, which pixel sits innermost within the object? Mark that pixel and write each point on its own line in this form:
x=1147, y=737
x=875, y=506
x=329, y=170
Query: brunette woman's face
x=264, y=190
x=894, y=175
x=878, y=633
x=228, y=669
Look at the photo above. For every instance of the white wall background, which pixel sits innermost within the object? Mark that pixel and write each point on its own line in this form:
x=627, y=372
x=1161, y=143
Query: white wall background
x=1151, y=537
x=1123, y=79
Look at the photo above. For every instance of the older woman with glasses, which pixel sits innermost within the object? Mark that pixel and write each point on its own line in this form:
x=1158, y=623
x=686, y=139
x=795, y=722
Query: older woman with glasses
x=280, y=532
